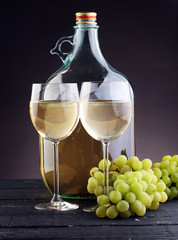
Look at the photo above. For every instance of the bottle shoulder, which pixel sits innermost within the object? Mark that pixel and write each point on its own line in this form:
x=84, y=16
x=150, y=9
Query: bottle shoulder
x=82, y=70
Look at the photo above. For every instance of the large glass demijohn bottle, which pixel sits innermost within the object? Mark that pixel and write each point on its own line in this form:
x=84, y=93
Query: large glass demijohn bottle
x=80, y=152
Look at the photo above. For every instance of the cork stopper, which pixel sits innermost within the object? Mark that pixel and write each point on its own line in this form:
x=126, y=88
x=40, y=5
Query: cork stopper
x=86, y=18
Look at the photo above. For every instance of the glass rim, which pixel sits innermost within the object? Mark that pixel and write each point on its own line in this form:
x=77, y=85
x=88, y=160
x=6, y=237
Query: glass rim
x=113, y=81
x=54, y=83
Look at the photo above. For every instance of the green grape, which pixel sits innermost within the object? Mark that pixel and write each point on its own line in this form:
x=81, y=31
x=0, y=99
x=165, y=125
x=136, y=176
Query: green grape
x=114, y=176
x=148, y=207
x=125, y=168
x=150, y=171
x=103, y=163
x=164, y=197
x=132, y=212
x=102, y=200
x=171, y=169
x=157, y=172
x=142, y=211
x=111, y=182
x=151, y=189
x=154, y=179
x=90, y=188
x=136, y=206
x=132, y=180
x=167, y=191
x=173, y=163
x=148, y=201
x=120, y=161
x=144, y=198
x=169, y=184
x=117, y=182
x=154, y=205
x=98, y=190
x=166, y=157
x=122, y=206
x=93, y=170
x=93, y=182
x=101, y=211
x=126, y=214
x=112, y=212
x=164, y=164
x=166, y=180
x=138, y=175
x=174, y=177
x=121, y=176
x=111, y=188
x=115, y=196
x=99, y=175
x=174, y=158
x=147, y=177
x=164, y=173
x=136, y=188
x=156, y=165
x=100, y=182
x=127, y=175
x=176, y=184
x=143, y=171
x=146, y=164
x=130, y=197
x=157, y=196
x=173, y=193
x=137, y=165
x=131, y=160
x=144, y=185
x=161, y=186
x=123, y=188
x=113, y=167
x=152, y=197
x=111, y=172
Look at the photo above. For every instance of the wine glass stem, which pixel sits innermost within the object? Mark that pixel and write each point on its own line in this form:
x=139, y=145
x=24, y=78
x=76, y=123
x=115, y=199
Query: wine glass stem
x=105, y=146
x=56, y=197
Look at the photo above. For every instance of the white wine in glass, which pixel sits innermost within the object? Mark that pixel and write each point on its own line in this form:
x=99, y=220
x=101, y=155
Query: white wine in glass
x=105, y=113
x=54, y=111
x=105, y=120
x=54, y=119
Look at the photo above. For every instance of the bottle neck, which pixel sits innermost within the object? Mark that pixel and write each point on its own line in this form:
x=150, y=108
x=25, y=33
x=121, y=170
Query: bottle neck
x=86, y=42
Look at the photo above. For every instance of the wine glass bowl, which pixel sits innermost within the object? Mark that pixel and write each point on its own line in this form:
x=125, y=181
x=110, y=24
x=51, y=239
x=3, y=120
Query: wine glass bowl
x=54, y=111
x=105, y=109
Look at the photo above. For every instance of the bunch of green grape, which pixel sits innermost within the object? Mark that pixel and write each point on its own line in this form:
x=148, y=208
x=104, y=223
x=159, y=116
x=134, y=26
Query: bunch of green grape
x=167, y=171
x=133, y=187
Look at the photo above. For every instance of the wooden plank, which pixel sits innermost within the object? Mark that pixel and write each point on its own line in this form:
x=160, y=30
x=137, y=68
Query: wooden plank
x=22, y=214
x=77, y=232
x=22, y=183
x=31, y=194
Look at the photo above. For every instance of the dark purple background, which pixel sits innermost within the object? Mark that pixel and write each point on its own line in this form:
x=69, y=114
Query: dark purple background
x=137, y=38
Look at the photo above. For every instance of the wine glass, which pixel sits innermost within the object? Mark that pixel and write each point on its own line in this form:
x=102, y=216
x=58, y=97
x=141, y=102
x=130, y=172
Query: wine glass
x=105, y=112
x=54, y=111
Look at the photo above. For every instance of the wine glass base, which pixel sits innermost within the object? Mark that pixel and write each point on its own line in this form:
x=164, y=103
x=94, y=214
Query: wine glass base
x=57, y=206
x=91, y=209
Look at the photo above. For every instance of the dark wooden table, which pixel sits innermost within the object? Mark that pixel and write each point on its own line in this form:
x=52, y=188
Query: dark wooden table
x=19, y=219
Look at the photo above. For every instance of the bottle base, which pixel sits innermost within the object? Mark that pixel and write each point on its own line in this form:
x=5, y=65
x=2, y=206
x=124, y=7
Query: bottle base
x=77, y=196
